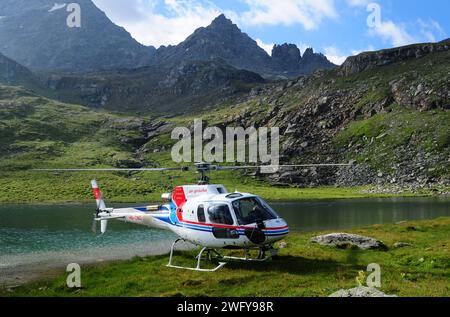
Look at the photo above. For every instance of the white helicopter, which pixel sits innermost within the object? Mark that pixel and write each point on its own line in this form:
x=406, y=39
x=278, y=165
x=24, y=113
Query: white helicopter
x=205, y=215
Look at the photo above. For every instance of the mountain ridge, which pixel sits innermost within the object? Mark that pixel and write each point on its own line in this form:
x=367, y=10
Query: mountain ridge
x=39, y=38
x=390, y=120
x=36, y=35
x=223, y=39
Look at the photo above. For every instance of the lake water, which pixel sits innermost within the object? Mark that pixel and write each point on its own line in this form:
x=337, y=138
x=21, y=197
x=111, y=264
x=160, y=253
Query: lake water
x=52, y=235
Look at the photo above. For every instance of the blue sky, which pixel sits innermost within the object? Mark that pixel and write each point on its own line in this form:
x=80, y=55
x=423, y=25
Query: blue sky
x=337, y=28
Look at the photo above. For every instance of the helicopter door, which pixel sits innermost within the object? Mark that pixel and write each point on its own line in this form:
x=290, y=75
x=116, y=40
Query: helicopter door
x=250, y=211
x=220, y=214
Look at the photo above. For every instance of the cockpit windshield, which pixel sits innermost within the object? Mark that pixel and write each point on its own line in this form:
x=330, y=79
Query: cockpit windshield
x=251, y=210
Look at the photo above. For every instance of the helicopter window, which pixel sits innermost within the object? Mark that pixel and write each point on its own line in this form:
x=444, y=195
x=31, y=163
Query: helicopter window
x=251, y=210
x=220, y=214
x=201, y=214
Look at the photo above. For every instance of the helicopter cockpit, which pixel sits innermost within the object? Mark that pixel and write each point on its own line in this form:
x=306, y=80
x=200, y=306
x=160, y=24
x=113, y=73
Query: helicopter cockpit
x=235, y=209
x=252, y=209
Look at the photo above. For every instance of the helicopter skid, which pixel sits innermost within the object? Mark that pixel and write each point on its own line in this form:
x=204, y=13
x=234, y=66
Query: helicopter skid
x=209, y=257
x=221, y=264
x=247, y=259
x=198, y=257
x=261, y=256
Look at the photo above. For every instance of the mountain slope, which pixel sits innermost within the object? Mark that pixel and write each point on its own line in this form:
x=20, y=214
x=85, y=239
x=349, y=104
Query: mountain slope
x=182, y=88
x=223, y=39
x=42, y=41
x=389, y=120
x=14, y=74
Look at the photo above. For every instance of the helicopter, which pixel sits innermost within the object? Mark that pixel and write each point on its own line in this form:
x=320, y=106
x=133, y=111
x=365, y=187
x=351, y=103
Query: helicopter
x=205, y=215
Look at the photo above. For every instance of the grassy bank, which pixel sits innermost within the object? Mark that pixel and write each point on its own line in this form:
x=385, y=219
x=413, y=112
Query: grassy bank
x=302, y=269
x=54, y=188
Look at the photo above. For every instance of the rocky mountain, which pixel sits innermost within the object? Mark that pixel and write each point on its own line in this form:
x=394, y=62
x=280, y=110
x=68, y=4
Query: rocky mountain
x=35, y=34
x=288, y=61
x=223, y=39
x=286, y=56
x=388, y=116
x=370, y=60
x=390, y=121
x=14, y=74
x=181, y=88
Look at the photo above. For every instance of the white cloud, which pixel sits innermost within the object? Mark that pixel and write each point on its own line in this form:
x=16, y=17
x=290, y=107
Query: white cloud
x=141, y=19
x=396, y=34
x=370, y=48
x=308, y=13
x=358, y=3
x=431, y=30
x=335, y=55
x=266, y=46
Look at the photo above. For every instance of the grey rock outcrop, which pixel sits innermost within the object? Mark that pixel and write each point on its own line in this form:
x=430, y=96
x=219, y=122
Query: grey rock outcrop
x=286, y=56
x=346, y=239
x=369, y=60
x=361, y=291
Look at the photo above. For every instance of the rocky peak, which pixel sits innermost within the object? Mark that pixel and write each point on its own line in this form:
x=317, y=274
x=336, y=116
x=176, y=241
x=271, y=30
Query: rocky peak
x=286, y=56
x=224, y=40
x=221, y=39
x=35, y=34
x=369, y=60
x=222, y=21
x=312, y=61
x=309, y=52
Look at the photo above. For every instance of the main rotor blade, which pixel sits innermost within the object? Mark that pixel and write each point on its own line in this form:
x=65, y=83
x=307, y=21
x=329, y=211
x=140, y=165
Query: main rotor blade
x=278, y=166
x=110, y=169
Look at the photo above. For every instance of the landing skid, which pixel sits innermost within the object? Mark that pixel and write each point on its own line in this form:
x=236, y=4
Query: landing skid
x=198, y=257
x=262, y=257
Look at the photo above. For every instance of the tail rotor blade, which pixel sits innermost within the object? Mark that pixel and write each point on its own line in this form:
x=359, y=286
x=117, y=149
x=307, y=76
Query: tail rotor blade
x=94, y=225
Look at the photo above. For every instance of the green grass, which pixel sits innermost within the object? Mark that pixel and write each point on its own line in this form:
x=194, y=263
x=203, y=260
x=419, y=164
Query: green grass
x=379, y=139
x=25, y=187
x=302, y=269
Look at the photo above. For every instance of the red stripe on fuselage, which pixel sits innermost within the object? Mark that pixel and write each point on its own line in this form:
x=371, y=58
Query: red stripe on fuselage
x=225, y=226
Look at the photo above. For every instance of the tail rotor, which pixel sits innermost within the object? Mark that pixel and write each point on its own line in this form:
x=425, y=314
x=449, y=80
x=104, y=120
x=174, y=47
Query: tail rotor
x=101, y=208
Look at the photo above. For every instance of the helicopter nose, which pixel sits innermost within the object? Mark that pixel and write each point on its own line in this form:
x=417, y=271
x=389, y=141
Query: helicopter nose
x=277, y=228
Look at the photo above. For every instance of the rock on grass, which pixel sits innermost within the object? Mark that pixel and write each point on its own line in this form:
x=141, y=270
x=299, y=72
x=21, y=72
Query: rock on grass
x=342, y=240
x=361, y=291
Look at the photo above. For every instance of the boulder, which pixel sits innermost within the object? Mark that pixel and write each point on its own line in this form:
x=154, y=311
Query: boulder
x=361, y=291
x=346, y=239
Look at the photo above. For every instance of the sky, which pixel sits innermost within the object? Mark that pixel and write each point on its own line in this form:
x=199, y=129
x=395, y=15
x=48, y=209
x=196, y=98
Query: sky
x=337, y=28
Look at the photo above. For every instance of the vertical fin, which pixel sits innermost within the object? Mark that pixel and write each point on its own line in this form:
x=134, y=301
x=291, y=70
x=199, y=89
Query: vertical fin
x=98, y=195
